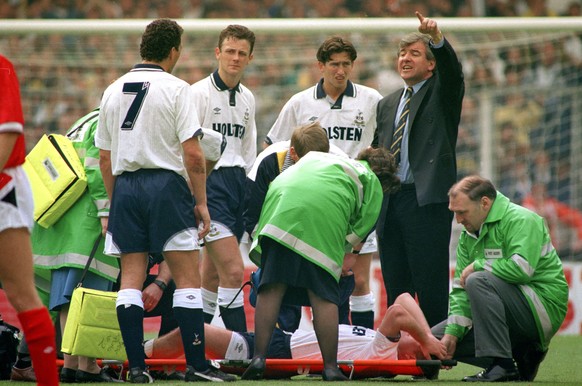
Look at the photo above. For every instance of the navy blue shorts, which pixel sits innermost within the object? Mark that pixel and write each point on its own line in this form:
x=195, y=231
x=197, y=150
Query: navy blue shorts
x=225, y=189
x=279, y=348
x=280, y=264
x=152, y=210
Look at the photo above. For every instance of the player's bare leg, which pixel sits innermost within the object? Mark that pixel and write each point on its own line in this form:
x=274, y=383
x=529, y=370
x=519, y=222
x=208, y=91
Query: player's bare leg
x=217, y=340
x=187, y=308
x=405, y=315
x=17, y=278
x=362, y=302
x=227, y=259
x=210, y=281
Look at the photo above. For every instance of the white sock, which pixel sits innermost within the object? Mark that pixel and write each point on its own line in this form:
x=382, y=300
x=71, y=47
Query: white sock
x=362, y=303
x=188, y=298
x=226, y=295
x=237, y=348
x=129, y=297
x=209, y=300
x=148, y=348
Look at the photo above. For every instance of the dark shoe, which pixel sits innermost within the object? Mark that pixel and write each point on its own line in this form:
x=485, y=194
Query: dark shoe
x=333, y=375
x=138, y=375
x=256, y=369
x=176, y=376
x=102, y=376
x=23, y=375
x=528, y=361
x=164, y=376
x=68, y=375
x=209, y=375
x=494, y=374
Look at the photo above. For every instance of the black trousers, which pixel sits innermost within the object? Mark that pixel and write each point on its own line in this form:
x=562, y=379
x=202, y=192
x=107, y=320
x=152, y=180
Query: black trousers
x=502, y=321
x=414, y=252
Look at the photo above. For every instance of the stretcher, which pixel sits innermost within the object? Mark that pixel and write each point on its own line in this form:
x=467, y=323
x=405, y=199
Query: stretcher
x=287, y=368
x=354, y=369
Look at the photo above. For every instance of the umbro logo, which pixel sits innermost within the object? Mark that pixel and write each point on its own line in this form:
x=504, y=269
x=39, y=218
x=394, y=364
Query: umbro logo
x=312, y=119
x=216, y=110
x=191, y=297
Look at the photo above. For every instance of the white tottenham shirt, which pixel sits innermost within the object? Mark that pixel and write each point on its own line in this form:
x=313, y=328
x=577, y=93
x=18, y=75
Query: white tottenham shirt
x=231, y=113
x=354, y=342
x=144, y=117
x=350, y=122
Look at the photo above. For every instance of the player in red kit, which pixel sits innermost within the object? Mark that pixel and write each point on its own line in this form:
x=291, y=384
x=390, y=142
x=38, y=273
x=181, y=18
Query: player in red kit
x=16, y=221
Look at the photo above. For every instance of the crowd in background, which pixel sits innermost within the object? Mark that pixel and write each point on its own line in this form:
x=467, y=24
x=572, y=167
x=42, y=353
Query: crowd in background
x=533, y=83
x=177, y=9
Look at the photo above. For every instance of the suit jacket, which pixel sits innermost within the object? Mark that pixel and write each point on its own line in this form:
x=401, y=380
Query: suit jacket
x=435, y=111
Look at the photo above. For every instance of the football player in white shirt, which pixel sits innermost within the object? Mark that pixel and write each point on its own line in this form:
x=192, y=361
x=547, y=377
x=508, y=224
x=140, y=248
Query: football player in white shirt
x=148, y=136
x=224, y=105
x=402, y=334
x=347, y=111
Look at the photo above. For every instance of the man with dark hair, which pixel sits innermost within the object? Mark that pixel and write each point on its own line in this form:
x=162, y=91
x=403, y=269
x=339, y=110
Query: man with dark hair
x=509, y=293
x=152, y=165
x=347, y=112
x=224, y=105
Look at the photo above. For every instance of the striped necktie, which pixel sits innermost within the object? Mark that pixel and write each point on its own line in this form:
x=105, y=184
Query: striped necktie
x=397, y=136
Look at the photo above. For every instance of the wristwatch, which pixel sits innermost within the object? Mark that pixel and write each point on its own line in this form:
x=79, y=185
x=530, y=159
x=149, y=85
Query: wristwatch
x=161, y=284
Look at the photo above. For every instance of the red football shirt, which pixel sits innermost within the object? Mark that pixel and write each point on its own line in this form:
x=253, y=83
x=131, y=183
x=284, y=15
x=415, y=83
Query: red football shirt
x=11, y=118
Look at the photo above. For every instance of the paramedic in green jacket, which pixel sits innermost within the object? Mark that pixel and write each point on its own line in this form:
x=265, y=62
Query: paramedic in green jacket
x=509, y=294
x=314, y=213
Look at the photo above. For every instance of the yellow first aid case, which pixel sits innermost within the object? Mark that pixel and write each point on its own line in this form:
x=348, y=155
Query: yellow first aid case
x=92, y=328
x=56, y=176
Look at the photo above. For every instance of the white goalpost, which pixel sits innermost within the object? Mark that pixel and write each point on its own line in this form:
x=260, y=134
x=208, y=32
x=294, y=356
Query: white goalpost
x=294, y=26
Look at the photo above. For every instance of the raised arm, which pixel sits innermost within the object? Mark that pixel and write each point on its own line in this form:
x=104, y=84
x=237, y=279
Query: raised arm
x=430, y=27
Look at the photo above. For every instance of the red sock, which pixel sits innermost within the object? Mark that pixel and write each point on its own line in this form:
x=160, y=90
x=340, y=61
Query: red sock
x=40, y=336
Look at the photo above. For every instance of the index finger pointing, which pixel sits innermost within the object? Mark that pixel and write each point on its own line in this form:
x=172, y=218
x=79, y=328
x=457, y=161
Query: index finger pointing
x=419, y=16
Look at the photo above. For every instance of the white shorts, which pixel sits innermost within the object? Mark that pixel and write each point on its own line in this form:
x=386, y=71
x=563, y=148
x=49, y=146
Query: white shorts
x=217, y=231
x=370, y=244
x=16, y=201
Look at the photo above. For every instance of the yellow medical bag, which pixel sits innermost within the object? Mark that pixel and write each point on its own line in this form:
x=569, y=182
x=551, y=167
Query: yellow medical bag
x=56, y=176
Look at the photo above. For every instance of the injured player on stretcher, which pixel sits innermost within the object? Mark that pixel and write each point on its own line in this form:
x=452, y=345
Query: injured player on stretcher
x=402, y=334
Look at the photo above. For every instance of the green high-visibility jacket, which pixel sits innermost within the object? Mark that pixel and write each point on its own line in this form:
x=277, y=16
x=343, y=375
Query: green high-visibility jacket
x=513, y=244
x=319, y=208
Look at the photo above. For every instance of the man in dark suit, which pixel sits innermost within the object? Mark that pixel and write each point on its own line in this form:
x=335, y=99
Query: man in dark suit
x=419, y=124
